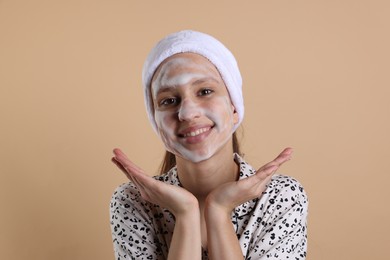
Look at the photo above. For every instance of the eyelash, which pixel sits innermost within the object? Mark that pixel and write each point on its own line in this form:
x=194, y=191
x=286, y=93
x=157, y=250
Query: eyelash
x=165, y=102
x=174, y=100
x=202, y=92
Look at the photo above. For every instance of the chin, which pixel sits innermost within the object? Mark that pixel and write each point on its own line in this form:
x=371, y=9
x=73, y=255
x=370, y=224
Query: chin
x=197, y=157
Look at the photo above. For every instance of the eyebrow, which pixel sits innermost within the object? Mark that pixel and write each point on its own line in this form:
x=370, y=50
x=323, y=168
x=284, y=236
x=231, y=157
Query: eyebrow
x=167, y=88
x=164, y=89
x=205, y=79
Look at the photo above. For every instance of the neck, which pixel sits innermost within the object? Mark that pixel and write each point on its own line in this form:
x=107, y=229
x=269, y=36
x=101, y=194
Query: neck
x=202, y=177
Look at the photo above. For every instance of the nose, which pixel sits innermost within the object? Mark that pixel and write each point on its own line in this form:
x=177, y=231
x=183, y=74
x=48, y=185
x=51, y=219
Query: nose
x=188, y=110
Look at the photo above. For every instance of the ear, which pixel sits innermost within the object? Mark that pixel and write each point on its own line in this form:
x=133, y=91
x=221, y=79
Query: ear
x=235, y=115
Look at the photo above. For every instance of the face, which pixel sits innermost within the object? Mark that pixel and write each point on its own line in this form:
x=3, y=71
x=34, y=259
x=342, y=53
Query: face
x=193, y=111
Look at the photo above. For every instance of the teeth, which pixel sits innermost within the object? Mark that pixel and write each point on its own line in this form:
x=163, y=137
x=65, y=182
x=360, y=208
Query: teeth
x=197, y=132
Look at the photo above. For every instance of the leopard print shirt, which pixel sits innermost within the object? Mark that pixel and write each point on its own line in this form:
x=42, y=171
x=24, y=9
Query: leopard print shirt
x=273, y=226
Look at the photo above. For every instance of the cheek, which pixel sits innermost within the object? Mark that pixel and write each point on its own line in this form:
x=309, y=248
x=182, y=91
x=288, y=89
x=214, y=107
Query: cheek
x=164, y=123
x=222, y=112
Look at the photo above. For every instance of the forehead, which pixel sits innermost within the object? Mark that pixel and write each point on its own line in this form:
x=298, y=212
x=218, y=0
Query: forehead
x=184, y=63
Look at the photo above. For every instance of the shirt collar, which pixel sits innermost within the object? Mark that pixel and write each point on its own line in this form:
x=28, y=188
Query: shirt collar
x=170, y=177
x=245, y=171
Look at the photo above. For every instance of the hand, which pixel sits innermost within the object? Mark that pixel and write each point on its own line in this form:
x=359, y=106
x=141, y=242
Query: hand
x=232, y=194
x=176, y=199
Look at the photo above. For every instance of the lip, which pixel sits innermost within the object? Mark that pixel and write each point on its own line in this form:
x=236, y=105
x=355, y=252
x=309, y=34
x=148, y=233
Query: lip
x=195, y=134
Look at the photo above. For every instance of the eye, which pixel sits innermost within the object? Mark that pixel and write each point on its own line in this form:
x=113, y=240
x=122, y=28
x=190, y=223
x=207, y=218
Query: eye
x=205, y=92
x=168, y=101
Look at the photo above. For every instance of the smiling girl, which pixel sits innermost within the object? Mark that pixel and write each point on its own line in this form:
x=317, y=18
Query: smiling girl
x=208, y=203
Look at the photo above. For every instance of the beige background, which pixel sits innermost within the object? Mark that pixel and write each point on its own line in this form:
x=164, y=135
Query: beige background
x=316, y=77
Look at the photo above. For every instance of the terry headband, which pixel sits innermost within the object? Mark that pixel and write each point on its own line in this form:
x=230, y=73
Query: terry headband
x=202, y=44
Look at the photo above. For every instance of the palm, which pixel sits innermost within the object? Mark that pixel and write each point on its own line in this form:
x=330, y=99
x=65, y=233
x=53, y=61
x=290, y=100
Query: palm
x=231, y=194
x=175, y=199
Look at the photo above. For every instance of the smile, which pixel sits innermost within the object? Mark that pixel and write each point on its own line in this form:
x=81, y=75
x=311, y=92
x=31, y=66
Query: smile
x=197, y=132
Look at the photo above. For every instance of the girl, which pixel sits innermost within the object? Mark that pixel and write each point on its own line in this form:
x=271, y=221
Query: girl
x=208, y=203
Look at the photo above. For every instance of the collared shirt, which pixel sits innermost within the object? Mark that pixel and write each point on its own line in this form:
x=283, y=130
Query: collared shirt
x=273, y=226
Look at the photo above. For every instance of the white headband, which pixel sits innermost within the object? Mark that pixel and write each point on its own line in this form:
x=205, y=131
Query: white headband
x=202, y=44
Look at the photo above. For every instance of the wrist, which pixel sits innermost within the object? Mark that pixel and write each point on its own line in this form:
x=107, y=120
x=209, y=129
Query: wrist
x=188, y=222
x=214, y=211
x=190, y=210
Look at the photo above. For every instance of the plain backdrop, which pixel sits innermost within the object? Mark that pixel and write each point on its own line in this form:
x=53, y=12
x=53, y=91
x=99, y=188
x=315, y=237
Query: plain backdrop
x=316, y=78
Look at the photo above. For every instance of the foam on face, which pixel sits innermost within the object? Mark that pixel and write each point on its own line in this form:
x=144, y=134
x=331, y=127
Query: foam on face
x=179, y=72
x=164, y=80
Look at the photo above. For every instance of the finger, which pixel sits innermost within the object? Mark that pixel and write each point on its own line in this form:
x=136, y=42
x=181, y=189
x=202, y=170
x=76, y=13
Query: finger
x=266, y=172
x=283, y=157
x=262, y=175
x=263, y=178
x=126, y=163
x=133, y=172
x=138, y=177
x=120, y=156
x=119, y=165
x=126, y=170
x=148, y=188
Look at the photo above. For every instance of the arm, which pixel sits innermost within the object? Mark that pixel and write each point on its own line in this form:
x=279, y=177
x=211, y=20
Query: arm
x=221, y=237
x=185, y=243
x=221, y=202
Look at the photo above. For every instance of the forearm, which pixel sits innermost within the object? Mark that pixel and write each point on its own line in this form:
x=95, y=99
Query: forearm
x=221, y=238
x=186, y=239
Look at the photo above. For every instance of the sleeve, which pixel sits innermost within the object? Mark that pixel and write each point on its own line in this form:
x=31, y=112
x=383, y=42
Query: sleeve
x=131, y=227
x=284, y=232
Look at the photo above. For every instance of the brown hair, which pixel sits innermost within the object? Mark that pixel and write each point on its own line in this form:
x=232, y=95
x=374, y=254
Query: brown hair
x=169, y=160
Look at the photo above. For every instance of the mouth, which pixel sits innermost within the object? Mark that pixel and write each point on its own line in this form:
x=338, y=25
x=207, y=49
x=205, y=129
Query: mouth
x=191, y=132
x=197, y=132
